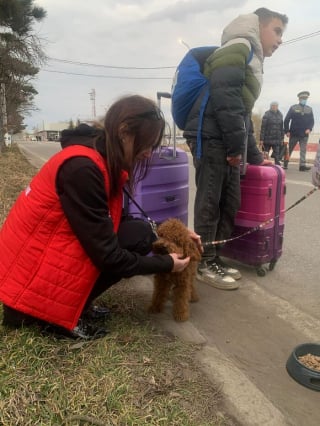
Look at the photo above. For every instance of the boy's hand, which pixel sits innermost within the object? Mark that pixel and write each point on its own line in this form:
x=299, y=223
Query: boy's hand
x=197, y=239
x=234, y=161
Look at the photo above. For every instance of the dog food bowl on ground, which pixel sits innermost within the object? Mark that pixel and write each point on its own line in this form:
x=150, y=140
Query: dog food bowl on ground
x=301, y=373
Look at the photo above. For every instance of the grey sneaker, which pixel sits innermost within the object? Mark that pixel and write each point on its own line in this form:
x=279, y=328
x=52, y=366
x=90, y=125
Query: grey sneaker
x=233, y=272
x=211, y=273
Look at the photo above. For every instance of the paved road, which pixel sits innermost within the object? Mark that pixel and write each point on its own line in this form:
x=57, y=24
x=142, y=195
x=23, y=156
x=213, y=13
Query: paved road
x=247, y=335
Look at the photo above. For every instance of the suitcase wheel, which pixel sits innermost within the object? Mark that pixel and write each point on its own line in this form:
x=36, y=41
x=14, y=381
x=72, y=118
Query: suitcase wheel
x=261, y=271
x=272, y=264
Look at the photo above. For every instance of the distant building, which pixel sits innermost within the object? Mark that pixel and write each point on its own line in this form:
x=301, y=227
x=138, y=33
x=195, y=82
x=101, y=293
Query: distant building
x=51, y=131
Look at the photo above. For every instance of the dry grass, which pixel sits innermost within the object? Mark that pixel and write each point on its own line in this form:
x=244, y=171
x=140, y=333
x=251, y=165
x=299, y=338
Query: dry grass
x=15, y=173
x=136, y=375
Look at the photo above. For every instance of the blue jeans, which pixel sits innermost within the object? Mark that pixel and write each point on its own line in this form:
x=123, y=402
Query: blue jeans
x=217, y=194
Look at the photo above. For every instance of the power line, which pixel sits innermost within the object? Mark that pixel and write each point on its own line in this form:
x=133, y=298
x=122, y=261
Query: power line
x=304, y=37
x=109, y=76
x=294, y=40
x=87, y=64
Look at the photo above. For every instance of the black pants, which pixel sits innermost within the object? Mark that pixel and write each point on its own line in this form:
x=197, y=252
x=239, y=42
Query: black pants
x=276, y=149
x=217, y=197
x=133, y=234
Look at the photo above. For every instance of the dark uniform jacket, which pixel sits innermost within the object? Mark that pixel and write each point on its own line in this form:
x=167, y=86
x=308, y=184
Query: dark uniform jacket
x=298, y=119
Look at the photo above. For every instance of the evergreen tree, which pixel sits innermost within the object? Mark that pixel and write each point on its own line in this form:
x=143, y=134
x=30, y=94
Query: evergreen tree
x=20, y=57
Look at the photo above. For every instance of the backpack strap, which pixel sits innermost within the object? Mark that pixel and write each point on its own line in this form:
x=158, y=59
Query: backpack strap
x=250, y=56
x=203, y=105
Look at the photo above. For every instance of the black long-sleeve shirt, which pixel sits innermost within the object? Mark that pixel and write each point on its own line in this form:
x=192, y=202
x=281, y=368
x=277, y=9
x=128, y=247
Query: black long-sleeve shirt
x=81, y=190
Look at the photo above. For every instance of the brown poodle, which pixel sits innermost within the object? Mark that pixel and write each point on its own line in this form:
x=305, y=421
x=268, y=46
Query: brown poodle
x=174, y=238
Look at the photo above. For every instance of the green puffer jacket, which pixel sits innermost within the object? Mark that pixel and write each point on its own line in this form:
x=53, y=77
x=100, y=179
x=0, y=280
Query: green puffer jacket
x=235, y=74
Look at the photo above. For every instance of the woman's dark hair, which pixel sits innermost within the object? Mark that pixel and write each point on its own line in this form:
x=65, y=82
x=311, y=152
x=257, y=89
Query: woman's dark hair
x=265, y=15
x=141, y=118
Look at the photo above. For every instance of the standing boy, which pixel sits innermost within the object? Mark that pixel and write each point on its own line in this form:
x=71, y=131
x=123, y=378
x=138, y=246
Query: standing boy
x=235, y=75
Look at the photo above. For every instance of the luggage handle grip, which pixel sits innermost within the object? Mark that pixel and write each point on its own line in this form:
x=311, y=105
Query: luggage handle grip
x=170, y=198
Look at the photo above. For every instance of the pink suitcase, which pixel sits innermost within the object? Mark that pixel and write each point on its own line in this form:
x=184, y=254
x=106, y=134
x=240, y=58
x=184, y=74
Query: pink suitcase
x=262, y=203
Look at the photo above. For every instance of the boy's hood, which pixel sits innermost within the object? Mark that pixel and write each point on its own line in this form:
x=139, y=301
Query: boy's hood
x=244, y=26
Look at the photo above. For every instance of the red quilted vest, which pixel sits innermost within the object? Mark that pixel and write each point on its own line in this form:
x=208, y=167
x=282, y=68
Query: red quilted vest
x=44, y=271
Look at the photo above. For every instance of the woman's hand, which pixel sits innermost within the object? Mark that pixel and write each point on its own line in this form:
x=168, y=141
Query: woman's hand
x=197, y=239
x=179, y=264
x=266, y=163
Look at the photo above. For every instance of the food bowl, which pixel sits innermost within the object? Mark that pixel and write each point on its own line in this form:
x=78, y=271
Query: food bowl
x=301, y=373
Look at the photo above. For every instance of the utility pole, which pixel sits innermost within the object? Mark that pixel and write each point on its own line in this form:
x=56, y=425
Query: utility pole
x=4, y=118
x=93, y=99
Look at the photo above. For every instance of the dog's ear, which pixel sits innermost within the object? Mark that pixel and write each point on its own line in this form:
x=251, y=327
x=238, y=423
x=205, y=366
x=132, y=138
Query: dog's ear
x=163, y=246
x=159, y=247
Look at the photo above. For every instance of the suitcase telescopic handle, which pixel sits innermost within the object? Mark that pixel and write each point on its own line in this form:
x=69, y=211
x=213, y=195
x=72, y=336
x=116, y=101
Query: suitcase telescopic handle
x=168, y=96
x=163, y=95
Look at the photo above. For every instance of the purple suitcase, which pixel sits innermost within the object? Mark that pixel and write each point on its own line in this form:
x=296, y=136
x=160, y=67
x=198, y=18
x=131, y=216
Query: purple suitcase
x=262, y=199
x=164, y=192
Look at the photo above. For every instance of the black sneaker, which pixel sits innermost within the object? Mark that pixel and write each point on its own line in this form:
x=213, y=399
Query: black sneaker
x=83, y=330
x=97, y=313
x=86, y=331
x=304, y=168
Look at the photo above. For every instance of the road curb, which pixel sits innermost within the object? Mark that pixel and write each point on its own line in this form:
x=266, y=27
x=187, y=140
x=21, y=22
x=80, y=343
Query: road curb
x=244, y=400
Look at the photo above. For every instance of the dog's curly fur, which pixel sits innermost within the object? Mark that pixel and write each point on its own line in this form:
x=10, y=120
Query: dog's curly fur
x=174, y=238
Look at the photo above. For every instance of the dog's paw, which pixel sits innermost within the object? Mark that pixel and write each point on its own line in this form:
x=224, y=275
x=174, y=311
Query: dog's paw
x=181, y=316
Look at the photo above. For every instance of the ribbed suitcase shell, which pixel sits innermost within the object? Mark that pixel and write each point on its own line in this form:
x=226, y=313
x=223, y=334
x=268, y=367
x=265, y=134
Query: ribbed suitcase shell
x=164, y=192
x=262, y=199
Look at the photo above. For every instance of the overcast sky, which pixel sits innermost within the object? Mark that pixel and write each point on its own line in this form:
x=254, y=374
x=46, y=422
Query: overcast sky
x=146, y=33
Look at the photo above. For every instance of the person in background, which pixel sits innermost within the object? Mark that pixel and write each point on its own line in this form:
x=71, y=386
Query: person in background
x=272, y=133
x=298, y=125
x=235, y=77
x=65, y=242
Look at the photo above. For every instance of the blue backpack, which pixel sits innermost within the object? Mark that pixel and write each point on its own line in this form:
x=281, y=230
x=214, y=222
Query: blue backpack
x=188, y=84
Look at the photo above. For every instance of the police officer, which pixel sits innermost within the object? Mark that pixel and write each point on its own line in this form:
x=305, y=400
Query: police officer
x=298, y=124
